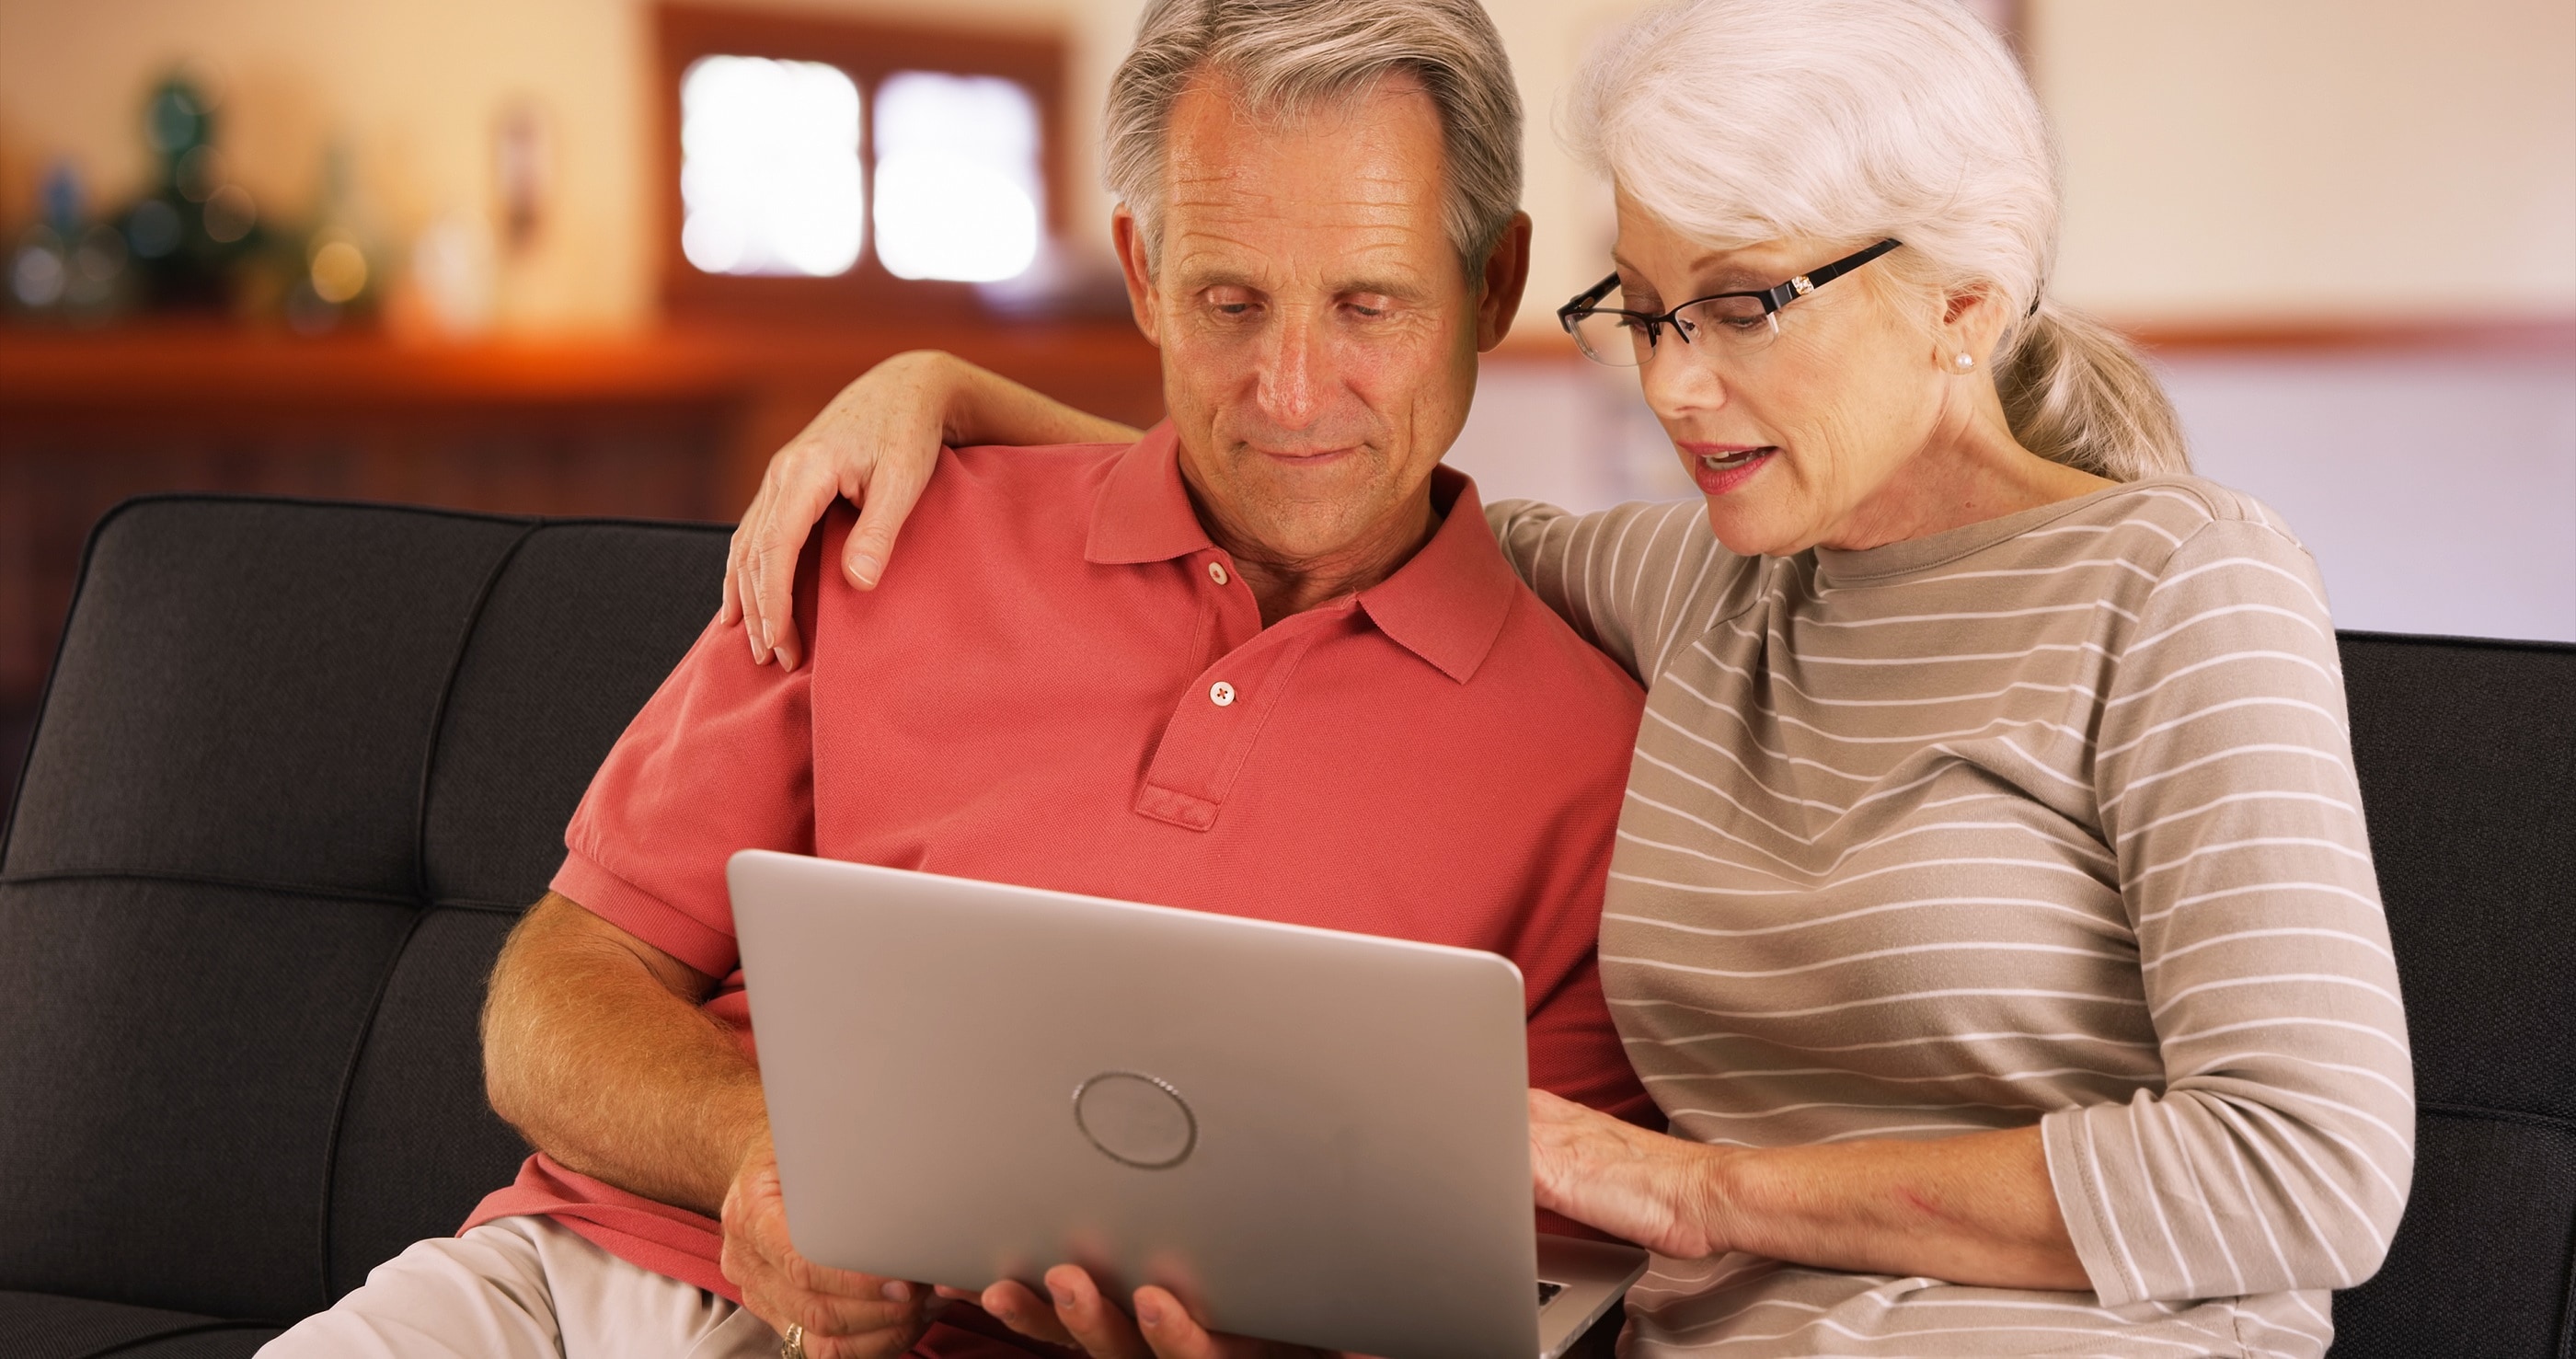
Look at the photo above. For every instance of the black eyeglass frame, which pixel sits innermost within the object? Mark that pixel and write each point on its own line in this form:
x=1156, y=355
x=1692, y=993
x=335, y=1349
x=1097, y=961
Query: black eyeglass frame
x=1772, y=299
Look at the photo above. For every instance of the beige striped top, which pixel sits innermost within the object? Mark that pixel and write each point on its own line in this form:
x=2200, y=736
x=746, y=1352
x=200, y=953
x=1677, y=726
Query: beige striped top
x=2048, y=819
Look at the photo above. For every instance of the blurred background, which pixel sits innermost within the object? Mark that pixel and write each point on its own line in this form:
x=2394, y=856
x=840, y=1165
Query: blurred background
x=603, y=256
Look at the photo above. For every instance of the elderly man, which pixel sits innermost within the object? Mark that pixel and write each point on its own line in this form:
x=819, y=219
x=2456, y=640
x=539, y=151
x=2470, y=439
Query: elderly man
x=1278, y=669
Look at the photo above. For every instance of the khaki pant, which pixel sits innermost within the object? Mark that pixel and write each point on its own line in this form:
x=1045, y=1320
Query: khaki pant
x=523, y=1288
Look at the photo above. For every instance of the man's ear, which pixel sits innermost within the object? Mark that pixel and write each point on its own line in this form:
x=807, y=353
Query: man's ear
x=1506, y=277
x=1129, y=238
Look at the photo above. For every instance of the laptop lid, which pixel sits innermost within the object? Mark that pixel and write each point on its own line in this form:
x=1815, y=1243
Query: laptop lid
x=1311, y=1136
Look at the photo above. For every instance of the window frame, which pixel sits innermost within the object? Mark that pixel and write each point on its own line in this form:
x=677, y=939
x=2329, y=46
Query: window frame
x=868, y=50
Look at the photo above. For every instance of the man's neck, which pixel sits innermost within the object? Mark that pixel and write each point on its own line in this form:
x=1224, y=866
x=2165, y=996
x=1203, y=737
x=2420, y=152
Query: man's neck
x=1284, y=586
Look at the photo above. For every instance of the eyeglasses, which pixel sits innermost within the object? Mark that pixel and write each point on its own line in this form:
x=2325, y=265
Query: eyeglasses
x=1722, y=324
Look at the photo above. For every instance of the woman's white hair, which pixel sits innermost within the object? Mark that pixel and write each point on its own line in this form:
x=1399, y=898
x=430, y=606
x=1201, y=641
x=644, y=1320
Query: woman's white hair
x=1743, y=121
x=1290, y=57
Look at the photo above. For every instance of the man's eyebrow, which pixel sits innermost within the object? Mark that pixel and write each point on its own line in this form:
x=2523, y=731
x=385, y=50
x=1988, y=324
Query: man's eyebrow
x=1201, y=279
x=1401, y=289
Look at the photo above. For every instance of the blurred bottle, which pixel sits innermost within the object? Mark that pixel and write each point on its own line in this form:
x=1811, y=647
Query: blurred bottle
x=65, y=267
x=339, y=278
x=450, y=286
x=196, y=236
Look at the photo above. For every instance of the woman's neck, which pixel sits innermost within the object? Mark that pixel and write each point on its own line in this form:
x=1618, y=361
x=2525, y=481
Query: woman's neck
x=1963, y=476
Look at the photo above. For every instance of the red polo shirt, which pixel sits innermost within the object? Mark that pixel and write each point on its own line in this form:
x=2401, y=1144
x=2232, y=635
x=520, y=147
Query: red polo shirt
x=1066, y=685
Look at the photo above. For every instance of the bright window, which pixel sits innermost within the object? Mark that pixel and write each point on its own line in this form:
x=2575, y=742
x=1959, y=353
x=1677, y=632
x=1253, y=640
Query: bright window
x=959, y=193
x=769, y=170
x=826, y=170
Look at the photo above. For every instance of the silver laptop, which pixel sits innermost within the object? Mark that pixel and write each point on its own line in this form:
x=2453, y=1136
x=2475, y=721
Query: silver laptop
x=1309, y=1136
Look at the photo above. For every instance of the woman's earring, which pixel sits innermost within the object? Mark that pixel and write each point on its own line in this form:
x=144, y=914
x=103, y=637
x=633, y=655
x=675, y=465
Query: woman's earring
x=1966, y=362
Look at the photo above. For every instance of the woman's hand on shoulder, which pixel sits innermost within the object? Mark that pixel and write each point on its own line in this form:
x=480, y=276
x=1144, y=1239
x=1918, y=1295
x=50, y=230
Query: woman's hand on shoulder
x=874, y=445
x=1646, y=1187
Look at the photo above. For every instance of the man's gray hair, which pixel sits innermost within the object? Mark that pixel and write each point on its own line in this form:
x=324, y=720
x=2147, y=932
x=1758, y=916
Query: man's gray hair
x=1289, y=57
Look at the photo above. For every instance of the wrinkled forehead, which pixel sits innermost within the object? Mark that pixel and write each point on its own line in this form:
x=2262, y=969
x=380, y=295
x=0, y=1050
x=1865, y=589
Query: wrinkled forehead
x=1354, y=181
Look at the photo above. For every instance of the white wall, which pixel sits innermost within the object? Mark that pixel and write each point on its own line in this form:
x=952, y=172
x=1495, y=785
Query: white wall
x=2315, y=158
x=2436, y=490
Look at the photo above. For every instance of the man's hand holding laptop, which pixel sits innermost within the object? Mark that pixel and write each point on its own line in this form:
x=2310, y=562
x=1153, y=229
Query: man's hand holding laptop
x=849, y=1315
x=844, y=1314
x=1153, y=1324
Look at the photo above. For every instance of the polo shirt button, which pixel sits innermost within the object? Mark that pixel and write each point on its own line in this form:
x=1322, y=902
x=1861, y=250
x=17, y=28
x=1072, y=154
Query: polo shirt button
x=1216, y=572
x=1221, y=694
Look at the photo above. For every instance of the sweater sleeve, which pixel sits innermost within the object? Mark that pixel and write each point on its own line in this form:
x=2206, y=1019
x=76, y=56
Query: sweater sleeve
x=1631, y=580
x=2278, y=1155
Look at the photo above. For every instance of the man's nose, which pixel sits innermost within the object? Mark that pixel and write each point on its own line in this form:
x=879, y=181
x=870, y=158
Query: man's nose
x=1293, y=367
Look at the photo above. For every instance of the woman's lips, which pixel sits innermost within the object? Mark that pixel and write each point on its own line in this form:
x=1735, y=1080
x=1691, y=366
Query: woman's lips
x=1720, y=468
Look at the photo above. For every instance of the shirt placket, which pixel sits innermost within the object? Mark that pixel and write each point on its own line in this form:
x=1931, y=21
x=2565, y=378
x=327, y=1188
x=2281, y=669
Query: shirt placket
x=1219, y=716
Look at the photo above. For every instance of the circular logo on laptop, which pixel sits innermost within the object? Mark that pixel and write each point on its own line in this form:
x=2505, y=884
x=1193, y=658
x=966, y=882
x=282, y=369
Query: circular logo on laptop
x=1136, y=1119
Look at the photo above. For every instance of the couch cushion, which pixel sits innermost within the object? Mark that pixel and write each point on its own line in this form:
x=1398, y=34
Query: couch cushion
x=301, y=767
x=175, y=1059
x=2467, y=757
x=421, y=1073
x=2480, y=1264
x=246, y=692
x=577, y=633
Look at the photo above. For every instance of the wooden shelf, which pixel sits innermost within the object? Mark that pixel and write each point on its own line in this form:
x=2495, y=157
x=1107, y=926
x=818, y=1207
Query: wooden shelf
x=674, y=424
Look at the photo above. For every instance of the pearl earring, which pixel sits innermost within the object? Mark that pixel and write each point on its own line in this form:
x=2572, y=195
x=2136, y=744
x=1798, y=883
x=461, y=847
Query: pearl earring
x=1966, y=362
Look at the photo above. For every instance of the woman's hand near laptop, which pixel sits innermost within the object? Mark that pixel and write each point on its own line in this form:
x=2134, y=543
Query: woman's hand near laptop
x=875, y=445
x=1973, y=1209
x=1080, y=1315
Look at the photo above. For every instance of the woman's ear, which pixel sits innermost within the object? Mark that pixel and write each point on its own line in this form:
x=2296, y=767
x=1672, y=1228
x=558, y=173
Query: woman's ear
x=1129, y=240
x=1972, y=321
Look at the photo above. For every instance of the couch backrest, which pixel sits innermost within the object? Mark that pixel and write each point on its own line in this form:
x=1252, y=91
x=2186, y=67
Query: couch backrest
x=302, y=765
x=2467, y=756
x=299, y=769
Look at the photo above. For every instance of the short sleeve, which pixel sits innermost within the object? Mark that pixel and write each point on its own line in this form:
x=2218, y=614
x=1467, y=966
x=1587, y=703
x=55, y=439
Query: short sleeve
x=720, y=759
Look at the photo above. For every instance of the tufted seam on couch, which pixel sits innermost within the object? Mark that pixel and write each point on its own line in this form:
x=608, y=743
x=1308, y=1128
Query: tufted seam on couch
x=446, y=696
x=419, y=899
x=284, y=889
x=176, y=1333
x=2490, y=1113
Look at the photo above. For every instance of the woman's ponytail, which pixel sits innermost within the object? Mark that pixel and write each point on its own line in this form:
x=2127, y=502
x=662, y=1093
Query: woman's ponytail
x=2078, y=392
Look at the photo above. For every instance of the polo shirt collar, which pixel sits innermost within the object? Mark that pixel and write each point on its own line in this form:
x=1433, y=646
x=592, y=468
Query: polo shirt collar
x=1447, y=605
x=1142, y=512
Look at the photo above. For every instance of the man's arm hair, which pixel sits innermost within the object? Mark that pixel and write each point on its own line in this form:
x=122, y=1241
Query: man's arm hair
x=595, y=1049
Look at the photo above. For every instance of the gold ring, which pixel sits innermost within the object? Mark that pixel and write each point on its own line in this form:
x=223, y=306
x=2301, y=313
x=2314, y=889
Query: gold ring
x=794, y=1348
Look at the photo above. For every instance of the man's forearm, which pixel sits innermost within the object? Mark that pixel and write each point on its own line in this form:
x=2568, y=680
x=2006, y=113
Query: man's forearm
x=596, y=1050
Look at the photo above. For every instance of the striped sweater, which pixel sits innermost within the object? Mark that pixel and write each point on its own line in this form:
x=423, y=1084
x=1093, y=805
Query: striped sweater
x=2047, y=819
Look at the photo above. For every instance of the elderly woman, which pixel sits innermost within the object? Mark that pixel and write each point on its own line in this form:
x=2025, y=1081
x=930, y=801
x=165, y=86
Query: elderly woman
x=1992, y=915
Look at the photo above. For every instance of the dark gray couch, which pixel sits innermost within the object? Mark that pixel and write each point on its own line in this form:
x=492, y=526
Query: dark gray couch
x=301, y=765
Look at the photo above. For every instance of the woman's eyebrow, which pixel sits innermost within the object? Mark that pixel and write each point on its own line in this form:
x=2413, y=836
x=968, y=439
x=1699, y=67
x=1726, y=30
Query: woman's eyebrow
x=1709, y=277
